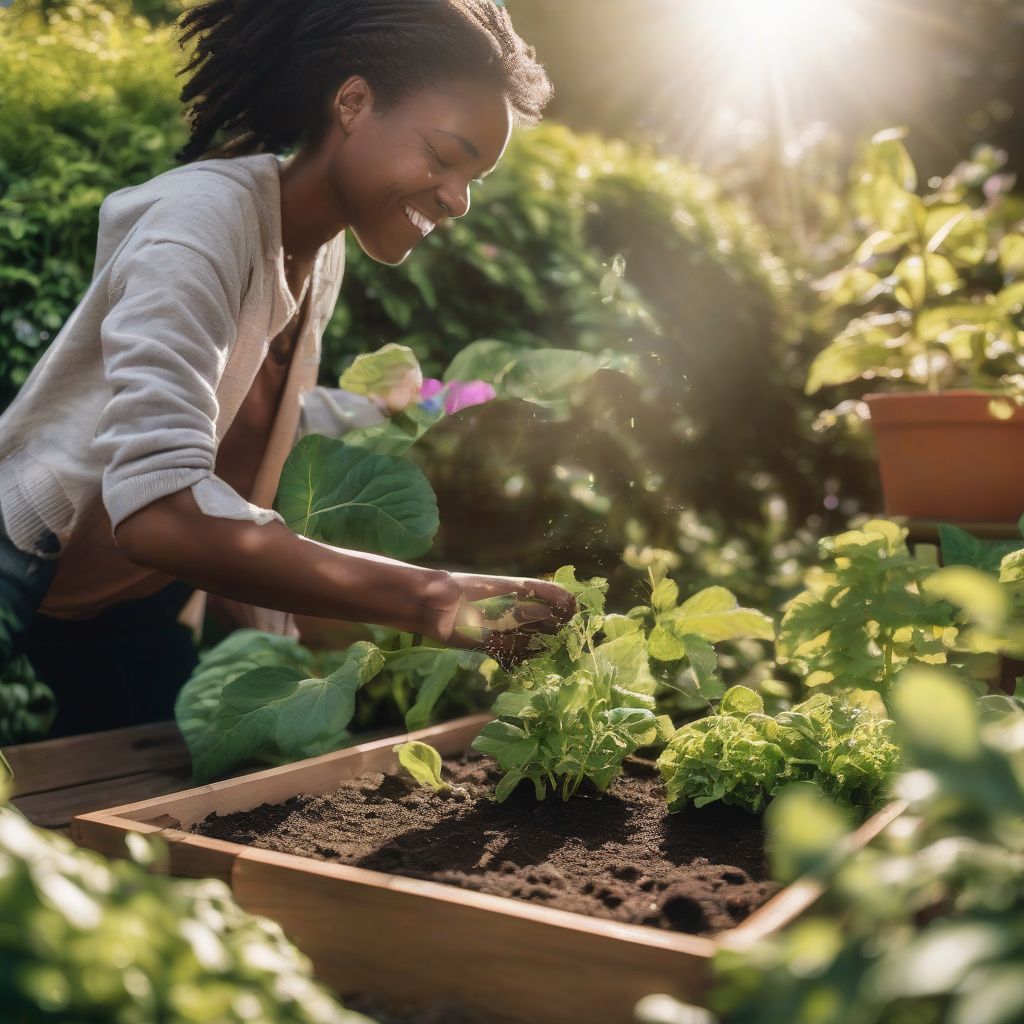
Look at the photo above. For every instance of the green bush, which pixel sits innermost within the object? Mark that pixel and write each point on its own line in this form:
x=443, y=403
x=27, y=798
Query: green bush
x=87, y=106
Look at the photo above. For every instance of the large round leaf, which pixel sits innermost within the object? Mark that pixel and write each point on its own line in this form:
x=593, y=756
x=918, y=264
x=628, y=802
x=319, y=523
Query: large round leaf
x=353, y=498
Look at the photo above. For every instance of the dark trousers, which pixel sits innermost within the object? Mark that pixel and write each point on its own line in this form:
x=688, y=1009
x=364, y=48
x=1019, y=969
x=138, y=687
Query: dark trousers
x=123, y=667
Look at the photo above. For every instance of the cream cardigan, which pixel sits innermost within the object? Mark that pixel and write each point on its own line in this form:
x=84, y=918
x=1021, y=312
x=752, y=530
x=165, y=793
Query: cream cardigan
x=133, y=397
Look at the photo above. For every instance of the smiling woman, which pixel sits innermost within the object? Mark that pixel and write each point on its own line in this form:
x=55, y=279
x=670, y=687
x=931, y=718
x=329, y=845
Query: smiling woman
x=141, y=457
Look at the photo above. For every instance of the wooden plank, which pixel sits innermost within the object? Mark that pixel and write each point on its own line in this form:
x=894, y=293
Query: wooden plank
x=798, y=897
x=56, y=808
x=313, y=776
x=189, y=856
x=76, y=760
x=416, y=941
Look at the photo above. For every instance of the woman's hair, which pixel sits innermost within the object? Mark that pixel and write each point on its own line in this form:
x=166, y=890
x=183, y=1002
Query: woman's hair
x=265, y=70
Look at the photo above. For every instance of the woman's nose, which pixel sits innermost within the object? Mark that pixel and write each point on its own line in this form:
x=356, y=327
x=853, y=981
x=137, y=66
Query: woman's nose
x=454, y=201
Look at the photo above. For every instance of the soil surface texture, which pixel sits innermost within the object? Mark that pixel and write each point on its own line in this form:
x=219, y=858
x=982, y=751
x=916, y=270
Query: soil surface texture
x=620, y=856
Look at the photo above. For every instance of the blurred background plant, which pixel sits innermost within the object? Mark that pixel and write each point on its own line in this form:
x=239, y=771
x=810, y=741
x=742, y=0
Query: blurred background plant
x=88, y=939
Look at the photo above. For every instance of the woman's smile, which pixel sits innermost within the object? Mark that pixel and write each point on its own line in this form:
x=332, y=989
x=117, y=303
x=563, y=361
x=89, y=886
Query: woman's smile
x=423, y=224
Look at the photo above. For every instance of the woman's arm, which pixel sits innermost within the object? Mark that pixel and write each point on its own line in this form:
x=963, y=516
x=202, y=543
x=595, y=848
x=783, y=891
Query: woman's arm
x=272, y=567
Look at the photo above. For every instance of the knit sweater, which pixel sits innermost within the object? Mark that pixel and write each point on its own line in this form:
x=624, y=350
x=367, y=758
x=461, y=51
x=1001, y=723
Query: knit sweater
x=132, y=399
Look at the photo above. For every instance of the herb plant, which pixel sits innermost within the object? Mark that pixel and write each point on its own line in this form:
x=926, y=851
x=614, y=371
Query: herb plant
x=937, y=281
x=866, y=616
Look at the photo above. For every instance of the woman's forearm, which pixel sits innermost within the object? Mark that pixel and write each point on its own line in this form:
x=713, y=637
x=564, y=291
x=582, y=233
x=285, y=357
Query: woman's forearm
x=271, y=567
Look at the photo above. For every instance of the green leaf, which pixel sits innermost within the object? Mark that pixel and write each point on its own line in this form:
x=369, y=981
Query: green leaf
x=437, y=674
x=397, y=434
x=665, y=595
x=921, y=277
x=1011, y=568
x=936, y=715
x=664, y=645
x=376, y=373
x=960, y=548
x=740, y=700
x=274, y=713
x=423, y=763
x=704, y=662
x=351, y=498
x=714, y=626
x=508, y=783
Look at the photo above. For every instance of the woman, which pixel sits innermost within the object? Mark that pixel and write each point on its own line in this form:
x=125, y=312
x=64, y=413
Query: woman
x=141, y=455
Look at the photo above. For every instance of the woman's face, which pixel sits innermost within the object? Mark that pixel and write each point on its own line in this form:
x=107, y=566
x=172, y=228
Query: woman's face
x=400, y=173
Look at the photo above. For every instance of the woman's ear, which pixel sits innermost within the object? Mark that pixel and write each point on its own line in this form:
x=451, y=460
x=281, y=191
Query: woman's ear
x=352, y=102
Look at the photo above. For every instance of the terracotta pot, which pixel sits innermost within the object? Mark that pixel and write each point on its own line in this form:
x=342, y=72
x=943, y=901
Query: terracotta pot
x=944, y=457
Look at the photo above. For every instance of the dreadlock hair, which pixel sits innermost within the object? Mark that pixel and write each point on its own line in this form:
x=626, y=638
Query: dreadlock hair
x=265, y=70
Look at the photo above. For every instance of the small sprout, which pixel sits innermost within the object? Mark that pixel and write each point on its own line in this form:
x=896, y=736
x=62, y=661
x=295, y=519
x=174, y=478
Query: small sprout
x=423, y=763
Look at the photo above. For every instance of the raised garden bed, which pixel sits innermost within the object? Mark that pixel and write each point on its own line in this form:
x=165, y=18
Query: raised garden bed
x=411, y=940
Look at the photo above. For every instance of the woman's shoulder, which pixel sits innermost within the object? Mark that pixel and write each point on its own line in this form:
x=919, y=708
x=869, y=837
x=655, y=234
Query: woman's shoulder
x=233, y=196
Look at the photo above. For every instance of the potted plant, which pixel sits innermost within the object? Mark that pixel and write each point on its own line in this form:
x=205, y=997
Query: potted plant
x=937, y=288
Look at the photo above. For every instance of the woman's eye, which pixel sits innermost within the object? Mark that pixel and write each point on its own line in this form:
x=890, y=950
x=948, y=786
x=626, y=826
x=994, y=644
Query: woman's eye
x=441, y=162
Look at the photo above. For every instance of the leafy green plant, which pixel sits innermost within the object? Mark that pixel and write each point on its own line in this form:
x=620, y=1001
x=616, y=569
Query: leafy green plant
x=938, y=283
x=924, y=924
x=744, y=757
x=585, y=701
x=866, y=616
x=88, y=106
x=961, y=548
x=423, y=763
x=259, y=697
x=362, y=492
x=87, y=939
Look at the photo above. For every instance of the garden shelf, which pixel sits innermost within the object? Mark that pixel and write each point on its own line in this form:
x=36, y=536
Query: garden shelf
x=409, y=941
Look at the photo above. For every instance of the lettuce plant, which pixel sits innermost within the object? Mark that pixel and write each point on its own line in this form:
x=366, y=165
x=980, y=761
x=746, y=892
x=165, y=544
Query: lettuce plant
x=744, y=757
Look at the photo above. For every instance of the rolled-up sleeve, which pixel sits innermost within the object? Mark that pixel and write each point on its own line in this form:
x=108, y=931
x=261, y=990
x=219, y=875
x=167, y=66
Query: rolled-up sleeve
x=176, y=291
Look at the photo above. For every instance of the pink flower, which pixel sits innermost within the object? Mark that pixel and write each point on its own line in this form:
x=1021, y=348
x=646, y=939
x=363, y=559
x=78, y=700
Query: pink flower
x=463, y=394
x=455, y=396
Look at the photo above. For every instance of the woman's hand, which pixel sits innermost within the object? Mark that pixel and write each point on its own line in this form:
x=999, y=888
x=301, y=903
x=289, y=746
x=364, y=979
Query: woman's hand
x=500, y=614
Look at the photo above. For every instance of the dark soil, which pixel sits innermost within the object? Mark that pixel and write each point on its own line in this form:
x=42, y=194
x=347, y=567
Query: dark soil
x=620, y=856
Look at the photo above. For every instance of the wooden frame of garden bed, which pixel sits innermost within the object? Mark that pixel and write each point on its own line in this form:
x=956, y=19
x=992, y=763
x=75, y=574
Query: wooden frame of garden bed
x=410, y=941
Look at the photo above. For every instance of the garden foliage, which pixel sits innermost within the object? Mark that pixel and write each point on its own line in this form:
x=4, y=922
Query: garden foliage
x=89, y=105
x=87, y=939
x=937, y=283
x=258, y=697
x=865, y=615
x=922, y=926
x=585, y=701
x=742, y=756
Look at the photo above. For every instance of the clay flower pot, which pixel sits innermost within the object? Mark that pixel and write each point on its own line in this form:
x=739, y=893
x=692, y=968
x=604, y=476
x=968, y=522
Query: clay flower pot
x=944, y=457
